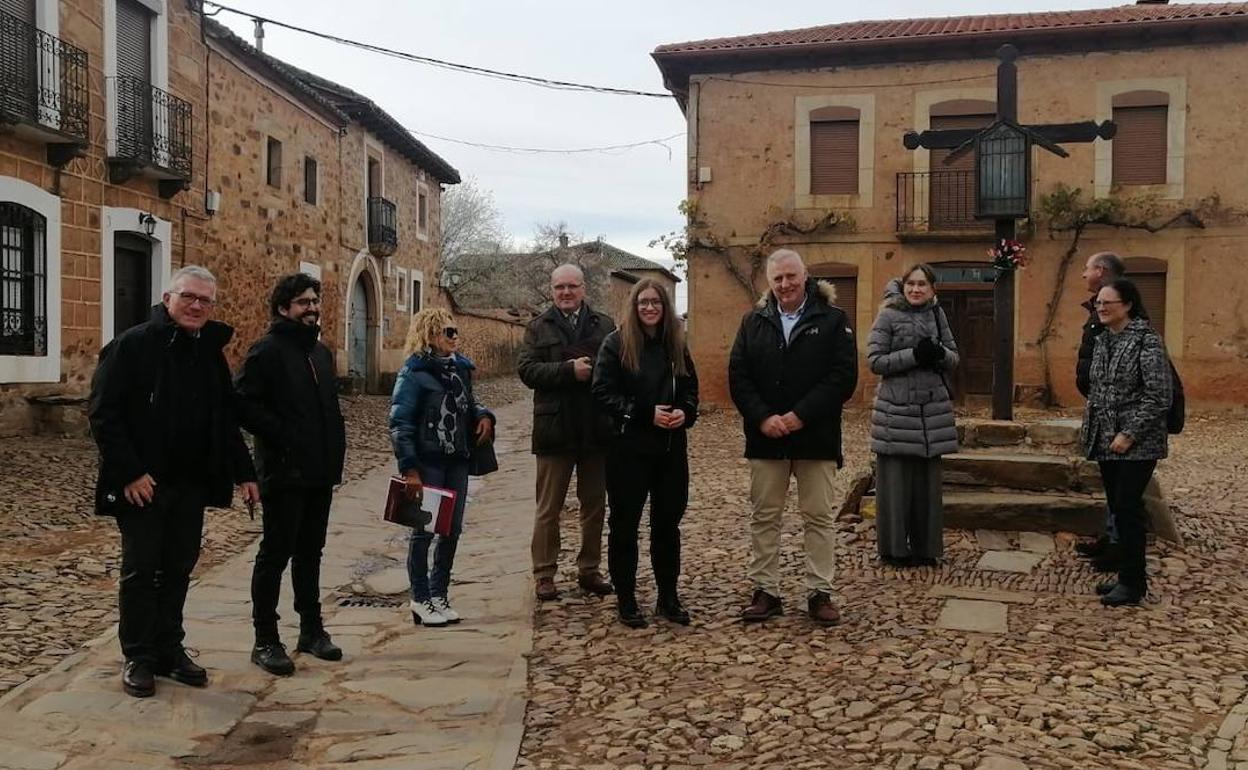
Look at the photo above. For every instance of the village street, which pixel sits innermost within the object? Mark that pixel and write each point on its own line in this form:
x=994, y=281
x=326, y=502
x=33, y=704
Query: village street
x=1049, y=680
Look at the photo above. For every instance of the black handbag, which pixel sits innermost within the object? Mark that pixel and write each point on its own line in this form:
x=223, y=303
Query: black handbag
x=482, y=460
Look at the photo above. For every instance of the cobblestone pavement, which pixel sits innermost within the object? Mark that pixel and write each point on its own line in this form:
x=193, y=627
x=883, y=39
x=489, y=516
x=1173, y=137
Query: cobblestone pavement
x=59, y=562
x=1049, y=680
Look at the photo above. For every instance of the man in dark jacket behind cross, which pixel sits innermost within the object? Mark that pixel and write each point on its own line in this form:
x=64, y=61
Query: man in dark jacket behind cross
x=163, y=416
x=288, y=401
x=793, y=365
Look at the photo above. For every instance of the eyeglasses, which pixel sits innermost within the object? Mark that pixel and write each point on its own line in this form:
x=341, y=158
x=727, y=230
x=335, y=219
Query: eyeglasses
x=451, y=332
x=190, y=298
x=306, y=301
x=649, y=303
x=567, y=286
x=1108, y=302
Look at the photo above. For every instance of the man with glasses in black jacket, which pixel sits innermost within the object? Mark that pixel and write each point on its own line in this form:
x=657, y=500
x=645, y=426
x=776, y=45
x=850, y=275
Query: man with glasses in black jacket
x=289, y=402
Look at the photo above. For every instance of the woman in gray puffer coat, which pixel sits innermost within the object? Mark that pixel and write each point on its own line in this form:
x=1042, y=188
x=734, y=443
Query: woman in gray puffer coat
x=912, y=423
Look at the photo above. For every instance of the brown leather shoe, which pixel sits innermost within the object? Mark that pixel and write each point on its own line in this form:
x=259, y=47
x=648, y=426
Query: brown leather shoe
x=821, y=609
x=762, y=606
x=546, y=590
x=595, y=583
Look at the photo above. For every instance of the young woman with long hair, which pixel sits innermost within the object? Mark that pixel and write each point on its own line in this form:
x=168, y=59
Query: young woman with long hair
x=646, y=382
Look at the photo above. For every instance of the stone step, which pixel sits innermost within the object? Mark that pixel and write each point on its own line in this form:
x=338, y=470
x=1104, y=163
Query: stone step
x=1015, y=471
x=1057, y=436
x=1024, y=512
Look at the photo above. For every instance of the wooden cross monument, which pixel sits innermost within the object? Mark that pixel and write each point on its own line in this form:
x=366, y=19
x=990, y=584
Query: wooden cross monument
x=1003, y=194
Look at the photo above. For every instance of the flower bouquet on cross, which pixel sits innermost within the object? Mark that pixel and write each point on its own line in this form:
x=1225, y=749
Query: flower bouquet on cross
x=1009, y=254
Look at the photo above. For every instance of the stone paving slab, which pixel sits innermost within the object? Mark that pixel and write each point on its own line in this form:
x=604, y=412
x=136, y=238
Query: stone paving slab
x=982, y=594
x=1021, y=562
x=973, y=615
x=402, y=697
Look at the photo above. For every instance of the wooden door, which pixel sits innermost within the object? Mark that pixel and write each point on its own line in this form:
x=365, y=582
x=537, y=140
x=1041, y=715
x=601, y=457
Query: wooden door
x=970, y=320
x=357, y=357
x=132, y=281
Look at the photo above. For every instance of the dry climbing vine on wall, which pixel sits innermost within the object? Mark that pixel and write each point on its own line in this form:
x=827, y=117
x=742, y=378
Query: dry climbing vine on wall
x=1067, y=211
x=698, y=237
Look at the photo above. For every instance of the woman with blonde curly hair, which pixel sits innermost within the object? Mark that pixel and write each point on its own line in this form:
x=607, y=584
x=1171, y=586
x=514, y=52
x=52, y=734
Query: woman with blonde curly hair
x=435, y=421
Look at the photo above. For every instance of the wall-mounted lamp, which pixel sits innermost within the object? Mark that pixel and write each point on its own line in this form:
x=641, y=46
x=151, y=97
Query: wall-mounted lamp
x=148, y=223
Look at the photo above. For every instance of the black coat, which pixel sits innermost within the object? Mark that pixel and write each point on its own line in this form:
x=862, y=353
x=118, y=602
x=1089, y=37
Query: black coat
x=566, y=419
x=134, y=417
x=629, y=398
x=288, y=400
x=812, y=375
x=1092, y=329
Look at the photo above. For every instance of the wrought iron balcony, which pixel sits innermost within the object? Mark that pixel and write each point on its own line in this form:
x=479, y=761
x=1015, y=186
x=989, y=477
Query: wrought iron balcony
x=153, y=135
x=43, y=88
x=938, y=203
x=383, y=232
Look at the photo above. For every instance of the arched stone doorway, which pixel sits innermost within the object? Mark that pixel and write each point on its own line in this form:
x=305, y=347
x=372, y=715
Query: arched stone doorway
x=363, y=328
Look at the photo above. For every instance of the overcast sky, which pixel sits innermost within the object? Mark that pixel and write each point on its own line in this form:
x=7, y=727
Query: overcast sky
x=628, y=198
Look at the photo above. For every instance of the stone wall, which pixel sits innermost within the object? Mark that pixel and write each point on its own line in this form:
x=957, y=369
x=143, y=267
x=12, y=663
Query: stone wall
x=491, y=339
x=1206, y=330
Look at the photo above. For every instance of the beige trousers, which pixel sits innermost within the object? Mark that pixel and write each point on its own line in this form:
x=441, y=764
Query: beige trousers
x=554, y=474
x=769, y=484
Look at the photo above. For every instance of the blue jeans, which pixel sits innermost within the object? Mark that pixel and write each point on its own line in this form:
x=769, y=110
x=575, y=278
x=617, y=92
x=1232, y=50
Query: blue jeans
x=426, y=583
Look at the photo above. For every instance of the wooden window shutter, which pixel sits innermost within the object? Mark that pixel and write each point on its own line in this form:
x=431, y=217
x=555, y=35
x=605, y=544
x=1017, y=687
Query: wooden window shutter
x=834, y=157
x=24, y=10
x=134, y=41
x=1149, y=276
x=846, y=297
x=1139, y=148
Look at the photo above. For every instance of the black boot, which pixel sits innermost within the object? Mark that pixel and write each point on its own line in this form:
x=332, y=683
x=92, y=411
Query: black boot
x=1110, y=559
x=1106, y=587
x=272, y=657
x=630, y=613
x=1123, y=594
x=137, y=679
x=1093, y=549
x=669, y=607
x=179, y=667
x=317, y=642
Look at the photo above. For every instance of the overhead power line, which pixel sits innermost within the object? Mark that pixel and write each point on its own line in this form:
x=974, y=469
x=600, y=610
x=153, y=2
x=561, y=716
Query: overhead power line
x=557, y=151
x=558, y=85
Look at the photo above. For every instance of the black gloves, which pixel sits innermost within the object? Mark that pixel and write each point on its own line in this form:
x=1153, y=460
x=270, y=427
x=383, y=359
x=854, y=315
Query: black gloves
x=928, y=352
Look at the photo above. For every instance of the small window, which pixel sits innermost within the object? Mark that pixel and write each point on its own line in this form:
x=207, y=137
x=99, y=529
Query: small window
x=309, y=180
x=273, y=163
x=422, y=212
x=1140, y=146
x=416, y=295
x=400, y=288
x=23, y=282
x=834, y=151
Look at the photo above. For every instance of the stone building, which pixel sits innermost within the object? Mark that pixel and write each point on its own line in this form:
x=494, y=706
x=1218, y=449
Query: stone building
x=311, y=175
x=795, y=138
x=101, y=183
x=115, y=171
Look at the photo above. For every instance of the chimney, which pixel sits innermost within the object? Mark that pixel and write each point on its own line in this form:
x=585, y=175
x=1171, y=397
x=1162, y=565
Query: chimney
x=563, y=240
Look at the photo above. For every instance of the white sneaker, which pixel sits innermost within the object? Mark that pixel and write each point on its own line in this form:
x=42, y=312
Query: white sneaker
x=426, y=613
x=445, y=610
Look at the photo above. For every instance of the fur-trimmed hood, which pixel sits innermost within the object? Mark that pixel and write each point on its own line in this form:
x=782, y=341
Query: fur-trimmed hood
x=824, y=288
x=895, y=298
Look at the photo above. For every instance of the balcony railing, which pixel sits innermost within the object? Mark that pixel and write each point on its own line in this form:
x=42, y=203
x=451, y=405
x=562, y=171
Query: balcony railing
x=937, y=202
x=153, y=132
x=383, y=233
x=43, y=81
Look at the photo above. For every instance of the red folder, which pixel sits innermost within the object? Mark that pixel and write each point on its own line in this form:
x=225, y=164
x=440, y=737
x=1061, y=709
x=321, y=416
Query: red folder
x=432, y=512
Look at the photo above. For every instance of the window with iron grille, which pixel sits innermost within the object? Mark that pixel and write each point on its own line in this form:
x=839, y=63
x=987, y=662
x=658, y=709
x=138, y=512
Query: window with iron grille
x=23, y=282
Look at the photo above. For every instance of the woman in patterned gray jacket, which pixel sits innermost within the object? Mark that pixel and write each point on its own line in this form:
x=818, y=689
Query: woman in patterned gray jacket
x=1124, y=425
x=912, y=423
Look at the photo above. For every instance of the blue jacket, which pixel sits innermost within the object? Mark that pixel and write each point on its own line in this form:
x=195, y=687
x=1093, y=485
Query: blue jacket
x=416, y=411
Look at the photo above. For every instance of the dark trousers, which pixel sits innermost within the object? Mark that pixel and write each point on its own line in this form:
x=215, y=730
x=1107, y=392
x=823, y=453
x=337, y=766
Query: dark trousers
x=631, y=478
x=295, y=520
x=159, y=549
x=1125, y=481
